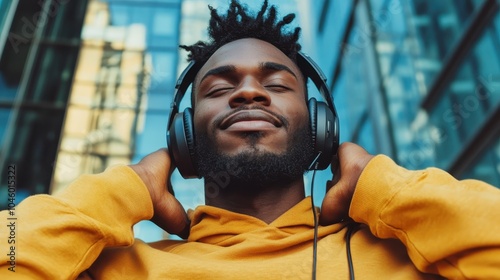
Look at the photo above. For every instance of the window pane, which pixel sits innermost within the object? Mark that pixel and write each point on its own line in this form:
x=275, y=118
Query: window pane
x=64, y=18
x=488, y=167
x=472, y=95
x=35, y=140
x=159, y=21
x=4, y=121
x=7, y=90
x=163, y=71
x=52, y=74
x=153, y=136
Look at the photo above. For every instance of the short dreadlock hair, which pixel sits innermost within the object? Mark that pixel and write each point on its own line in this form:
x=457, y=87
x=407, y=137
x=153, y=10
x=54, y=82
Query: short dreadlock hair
x=238, y=23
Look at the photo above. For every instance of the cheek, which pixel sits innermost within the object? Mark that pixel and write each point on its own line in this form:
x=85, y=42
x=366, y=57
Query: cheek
x=204, y=116
x=297, y=115
x=200, y=117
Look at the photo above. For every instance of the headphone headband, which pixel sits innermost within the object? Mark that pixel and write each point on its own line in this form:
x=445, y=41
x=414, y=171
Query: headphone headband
x=183, y=82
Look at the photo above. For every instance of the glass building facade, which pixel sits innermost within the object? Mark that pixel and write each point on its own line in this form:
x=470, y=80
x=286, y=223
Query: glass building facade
x=40, y=46
x=417, y=80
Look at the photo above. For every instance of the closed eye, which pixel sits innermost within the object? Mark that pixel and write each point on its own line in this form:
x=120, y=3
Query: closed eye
x=217, y=91
x=277, y=88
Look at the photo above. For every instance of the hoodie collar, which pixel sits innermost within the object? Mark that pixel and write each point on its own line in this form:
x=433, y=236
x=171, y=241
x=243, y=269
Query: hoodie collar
x=216, y=225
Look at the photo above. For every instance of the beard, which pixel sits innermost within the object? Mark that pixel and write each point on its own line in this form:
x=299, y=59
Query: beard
x=254, y=169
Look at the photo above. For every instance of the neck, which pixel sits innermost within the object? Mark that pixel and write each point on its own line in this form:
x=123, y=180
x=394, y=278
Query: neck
x=265, y=202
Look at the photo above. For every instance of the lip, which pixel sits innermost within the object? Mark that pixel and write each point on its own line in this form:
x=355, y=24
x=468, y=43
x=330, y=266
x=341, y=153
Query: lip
x=251, y=119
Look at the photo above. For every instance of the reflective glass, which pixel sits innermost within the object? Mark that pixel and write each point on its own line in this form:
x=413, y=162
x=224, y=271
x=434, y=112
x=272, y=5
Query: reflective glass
x=487, y=168
x=52, y=74
x=4, y=120
x=33, y=148
x=34, y=137
x=366, y=136
x=355, y=83
x=472, y=95
x=425, y=31
x=7, y=91
x=4, y=6
x=159, y=21
x=412, y=39
x=439, y=24
x=64, y=18
x=160, y=101
x=163, y=70
x=153, y=136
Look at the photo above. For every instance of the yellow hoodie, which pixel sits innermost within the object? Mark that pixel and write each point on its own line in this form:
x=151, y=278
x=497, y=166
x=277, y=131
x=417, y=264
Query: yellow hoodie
x=417, y=225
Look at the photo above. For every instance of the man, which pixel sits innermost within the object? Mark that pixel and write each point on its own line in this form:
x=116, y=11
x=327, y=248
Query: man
x=250, y=113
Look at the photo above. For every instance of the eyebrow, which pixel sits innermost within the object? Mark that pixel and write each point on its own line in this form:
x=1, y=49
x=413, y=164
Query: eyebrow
x=219, y=71
x=276, y=67
x=264, y=66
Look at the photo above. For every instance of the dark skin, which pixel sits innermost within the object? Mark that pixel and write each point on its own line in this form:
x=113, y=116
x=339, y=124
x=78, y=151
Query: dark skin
x=263, y=77
x=266, y=77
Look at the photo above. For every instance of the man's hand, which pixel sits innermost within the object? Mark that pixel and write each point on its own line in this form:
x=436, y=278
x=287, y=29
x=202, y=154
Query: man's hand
x=352, y=161
x=155, y=170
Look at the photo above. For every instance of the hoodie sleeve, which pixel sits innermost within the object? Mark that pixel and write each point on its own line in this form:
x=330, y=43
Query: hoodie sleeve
x=449, y=227
x=58, y=237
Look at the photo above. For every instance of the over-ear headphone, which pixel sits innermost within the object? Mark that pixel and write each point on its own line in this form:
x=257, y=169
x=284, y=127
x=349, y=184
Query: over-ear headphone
x=323, y=120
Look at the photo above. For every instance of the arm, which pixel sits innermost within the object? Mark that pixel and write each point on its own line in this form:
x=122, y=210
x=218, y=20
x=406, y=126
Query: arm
x=58, y=237
x=449, y=227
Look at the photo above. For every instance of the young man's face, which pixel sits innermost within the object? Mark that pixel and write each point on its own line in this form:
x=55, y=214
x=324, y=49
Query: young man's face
x=250, y=99
x=254, y=75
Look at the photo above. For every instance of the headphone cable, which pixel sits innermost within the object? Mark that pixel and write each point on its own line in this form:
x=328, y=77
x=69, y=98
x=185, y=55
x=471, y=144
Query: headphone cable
x=315, y=217
x=315, y=242
x=352, y=228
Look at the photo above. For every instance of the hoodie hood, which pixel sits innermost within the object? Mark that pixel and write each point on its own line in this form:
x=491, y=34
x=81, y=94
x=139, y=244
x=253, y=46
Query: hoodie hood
x=221, y=227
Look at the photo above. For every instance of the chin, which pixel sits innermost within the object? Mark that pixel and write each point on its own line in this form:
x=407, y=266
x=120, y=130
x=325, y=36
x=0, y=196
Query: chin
x=256, y=157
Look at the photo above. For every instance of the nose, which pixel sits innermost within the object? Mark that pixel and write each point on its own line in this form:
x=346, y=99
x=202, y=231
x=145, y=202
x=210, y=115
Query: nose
x=249, y=91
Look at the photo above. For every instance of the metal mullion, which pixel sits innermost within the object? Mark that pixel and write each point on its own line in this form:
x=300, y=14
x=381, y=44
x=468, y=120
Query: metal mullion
x=487, y=134
x=473, y=31
x=4, y=32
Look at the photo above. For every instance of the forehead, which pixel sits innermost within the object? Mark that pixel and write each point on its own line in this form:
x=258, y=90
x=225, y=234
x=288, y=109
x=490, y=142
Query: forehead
x=247, y=52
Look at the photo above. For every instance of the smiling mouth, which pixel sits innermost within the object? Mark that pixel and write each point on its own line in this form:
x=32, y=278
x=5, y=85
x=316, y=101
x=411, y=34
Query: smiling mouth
x=250, y=120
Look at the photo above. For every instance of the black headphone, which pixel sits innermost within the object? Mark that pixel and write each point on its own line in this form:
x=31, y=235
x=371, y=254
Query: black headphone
x=323, y=118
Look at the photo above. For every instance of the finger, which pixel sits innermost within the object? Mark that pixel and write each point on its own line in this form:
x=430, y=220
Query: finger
x=171, y=216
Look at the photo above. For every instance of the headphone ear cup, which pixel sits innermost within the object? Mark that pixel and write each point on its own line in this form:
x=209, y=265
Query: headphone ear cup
x=313, y=115
x=324, y=132
x=181, y=144
x=189, y=130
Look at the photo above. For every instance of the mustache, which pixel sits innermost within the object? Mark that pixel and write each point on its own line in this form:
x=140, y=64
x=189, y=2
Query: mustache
x=218, y=120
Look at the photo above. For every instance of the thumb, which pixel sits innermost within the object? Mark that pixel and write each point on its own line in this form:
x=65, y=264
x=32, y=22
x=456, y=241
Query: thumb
x=352, y=160
x=335, y=206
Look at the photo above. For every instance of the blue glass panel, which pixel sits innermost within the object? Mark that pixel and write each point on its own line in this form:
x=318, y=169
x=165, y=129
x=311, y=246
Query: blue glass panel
x=161, y=22
x=164, y=70
x=153, y=136
x=487, y=168
x=7, y=91
x=470, y=98
x=159, y=100
x=4, y=121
